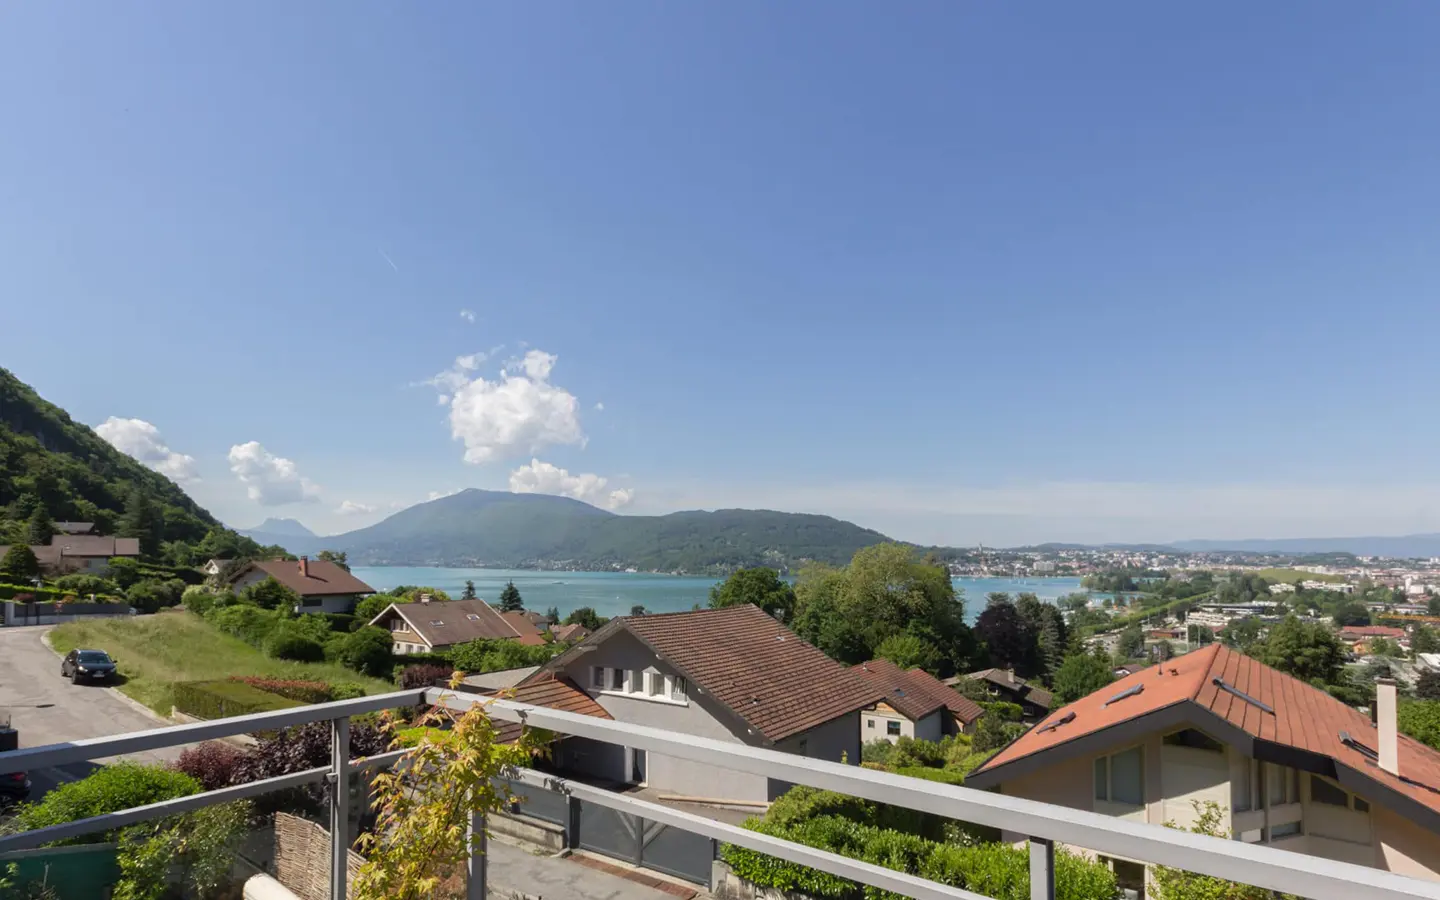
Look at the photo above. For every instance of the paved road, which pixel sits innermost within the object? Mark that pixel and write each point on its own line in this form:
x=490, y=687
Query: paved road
x=48, y=709
x=514, y=869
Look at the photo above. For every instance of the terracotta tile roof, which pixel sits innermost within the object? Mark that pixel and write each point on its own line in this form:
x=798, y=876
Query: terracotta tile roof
x=916, y=693
x=574, y=632
x=550, y=691
x=321, y=578
x=1004, y=678
x=744, y=659
x=1359, y=631
x=443, y=623
x=1305, y=717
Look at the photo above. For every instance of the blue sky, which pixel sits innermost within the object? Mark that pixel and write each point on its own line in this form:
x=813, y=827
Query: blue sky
x=958, y=271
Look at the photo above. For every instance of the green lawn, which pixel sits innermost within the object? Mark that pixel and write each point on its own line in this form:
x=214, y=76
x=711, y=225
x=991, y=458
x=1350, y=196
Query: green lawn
x=155, y=652
x=1295, y=576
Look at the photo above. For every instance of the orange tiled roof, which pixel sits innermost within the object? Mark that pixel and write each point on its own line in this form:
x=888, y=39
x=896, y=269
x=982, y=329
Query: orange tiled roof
x=553, y=692
x=916, y=693
x=1304, y=718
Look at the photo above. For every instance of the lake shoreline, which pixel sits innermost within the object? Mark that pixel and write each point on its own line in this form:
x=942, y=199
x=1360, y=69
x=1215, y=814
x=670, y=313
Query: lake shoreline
x=615, y=593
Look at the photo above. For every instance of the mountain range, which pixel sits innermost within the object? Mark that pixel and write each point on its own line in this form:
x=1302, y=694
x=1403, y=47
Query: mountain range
x=501, y=529
x=282, y=532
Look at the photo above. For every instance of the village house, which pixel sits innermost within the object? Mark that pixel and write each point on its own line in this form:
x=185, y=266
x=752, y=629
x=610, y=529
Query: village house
x=916, y=705
x=1285, y=763
x=87, y=554
x=434, y=626
x=323, y=586
x=1004, y=684
x=733, y=674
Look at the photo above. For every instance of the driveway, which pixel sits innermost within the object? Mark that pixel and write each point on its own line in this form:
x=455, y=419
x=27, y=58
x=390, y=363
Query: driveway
x=48, y=709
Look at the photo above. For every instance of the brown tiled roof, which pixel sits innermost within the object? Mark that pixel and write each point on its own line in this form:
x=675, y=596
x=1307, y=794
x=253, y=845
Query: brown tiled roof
x=551, y=691
x=916, y=693
x=1358, y=631
x=321, y=578
x=529, y=633
x=744, y=659
x=1305, y=717
x=573, y=632
x=90, y=545
x=445, y=622
x=1009, y=680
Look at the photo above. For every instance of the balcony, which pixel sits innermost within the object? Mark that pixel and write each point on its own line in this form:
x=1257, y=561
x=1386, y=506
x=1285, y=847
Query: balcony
x=566, y=802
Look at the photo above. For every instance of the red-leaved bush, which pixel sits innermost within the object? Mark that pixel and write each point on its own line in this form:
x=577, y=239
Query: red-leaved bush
x=212, y=763
x=424, y=675
x=301, y=691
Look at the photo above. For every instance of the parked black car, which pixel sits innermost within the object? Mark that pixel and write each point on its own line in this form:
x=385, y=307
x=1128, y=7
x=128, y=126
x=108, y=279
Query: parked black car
x=87, y=665
x=14, y=787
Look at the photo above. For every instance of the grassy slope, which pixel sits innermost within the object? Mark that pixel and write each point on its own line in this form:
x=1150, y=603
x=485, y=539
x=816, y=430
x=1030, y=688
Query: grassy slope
x=157, y=651
x=1295, y=576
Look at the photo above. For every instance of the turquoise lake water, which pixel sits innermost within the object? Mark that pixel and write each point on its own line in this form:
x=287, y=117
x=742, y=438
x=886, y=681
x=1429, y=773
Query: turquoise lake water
x=613, y=593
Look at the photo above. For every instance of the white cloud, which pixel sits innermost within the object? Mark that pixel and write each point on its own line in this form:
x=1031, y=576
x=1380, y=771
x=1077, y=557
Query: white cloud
x=140, y=439
x=436, y=495
x=599, y=407
x=468, y=315
x=270, y=480
x=353, y=508
x=544, y=478
x=519, y=412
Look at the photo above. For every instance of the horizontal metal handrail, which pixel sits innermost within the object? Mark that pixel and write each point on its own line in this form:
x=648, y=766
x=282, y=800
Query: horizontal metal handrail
x=87, y=749
x=1268, y=867
x=1313, y=877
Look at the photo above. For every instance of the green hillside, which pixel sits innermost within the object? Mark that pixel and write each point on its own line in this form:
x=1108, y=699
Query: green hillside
x=495, y=528
x=48, y=459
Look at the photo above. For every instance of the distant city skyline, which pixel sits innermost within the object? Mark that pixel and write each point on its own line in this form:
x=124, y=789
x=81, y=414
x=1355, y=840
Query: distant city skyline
x=978, y=273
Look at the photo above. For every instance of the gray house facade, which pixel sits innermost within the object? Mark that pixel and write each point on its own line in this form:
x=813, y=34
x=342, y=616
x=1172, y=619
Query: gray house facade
x=731, y=675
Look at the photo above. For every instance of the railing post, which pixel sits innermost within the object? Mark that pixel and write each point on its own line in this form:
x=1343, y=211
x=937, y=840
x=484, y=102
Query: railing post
x=475, y=871
x=1042, y=869
x=339, y=807
x=572, y=827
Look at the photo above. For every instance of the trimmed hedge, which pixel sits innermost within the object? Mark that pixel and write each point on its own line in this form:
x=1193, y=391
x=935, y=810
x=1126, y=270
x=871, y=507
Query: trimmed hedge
x=292, y=689
x=944, y=776
x=41, y=594
x=223, y=699
x=994, y=870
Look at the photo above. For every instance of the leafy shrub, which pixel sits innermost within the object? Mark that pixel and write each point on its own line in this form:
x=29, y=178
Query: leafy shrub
x=294, y=689
x=286, y=642
x=1421, y=720
x=108, y=789
x=993, y=733
x=223, y=699
x=495, y=656
x=245, y=621
x=212, y=764
x=85, y=585
x=341, y=622
x=877, y=751
x=423, y=676
x=439, y=659
x=1003, y=710
x=910, y=752
x=994, y=870
x=296, y=749
x=944, y=776
x=802, y=803
x=369, y=607
x=367, y=651
x=153, y=596
x=39, y=595
x=270, y=594
x=346, y=690
x=199, y=600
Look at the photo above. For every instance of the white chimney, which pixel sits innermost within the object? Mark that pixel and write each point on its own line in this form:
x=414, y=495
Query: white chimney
x=424, y=598
x=1385, y=722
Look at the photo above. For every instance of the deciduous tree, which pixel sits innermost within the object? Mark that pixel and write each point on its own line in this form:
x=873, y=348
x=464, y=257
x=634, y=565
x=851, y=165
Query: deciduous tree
x=1080, y=675
x=1308, y=650
x=760, y=586
x=19, y=564
x=909, y=652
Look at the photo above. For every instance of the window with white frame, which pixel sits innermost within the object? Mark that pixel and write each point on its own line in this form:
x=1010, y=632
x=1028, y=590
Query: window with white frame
x=1242, y=788
x=597, y=677
x=1282, y=783
x=654, y=684
x=1120, y=777
x=678, y=689
x=617, y=679
x=637, y=682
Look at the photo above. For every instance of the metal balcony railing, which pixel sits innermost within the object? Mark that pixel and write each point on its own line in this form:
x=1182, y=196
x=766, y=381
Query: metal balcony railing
x=1280, y=870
